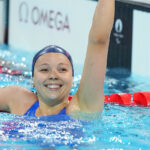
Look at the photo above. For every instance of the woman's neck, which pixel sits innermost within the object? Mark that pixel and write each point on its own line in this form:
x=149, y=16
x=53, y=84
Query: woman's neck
x=45, y=110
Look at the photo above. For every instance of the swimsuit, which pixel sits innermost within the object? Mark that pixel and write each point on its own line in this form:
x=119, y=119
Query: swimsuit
x=31, y=111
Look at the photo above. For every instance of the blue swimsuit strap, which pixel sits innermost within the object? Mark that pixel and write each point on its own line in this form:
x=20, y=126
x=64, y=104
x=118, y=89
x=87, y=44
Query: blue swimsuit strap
x=31, y=111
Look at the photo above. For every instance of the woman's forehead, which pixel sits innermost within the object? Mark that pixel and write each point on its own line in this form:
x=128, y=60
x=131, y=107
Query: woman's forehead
x=53, y=58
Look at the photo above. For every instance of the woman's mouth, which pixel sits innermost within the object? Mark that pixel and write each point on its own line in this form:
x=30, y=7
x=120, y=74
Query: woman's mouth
x=53, y=86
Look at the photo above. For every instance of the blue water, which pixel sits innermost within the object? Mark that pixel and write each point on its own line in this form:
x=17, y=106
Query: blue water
x=120, y=127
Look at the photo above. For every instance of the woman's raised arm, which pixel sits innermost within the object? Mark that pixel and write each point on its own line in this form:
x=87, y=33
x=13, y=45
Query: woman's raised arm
x=90, y=94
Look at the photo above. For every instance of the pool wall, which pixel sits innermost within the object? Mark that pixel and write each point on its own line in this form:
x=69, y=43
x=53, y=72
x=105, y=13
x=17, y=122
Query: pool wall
x=34, y=24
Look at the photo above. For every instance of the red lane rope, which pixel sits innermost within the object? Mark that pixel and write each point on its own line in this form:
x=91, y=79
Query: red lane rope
x=5, y=70
x=138, y=98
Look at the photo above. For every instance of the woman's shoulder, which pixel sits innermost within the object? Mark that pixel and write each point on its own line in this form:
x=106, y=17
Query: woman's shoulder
x=22, y=92
x=16, y=90
x=17, y=98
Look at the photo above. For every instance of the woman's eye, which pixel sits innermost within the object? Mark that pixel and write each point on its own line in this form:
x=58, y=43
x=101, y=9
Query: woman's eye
x=63, y=69
x=44, y=70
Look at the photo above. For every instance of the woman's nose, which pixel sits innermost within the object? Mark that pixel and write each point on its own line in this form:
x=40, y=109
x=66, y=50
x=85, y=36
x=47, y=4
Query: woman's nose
x=53, y=75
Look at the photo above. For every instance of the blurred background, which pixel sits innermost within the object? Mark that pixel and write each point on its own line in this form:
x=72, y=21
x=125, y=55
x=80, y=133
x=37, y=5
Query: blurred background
x=29, y=25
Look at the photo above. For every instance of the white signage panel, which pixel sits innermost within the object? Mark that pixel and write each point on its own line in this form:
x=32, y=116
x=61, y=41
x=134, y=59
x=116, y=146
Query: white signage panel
x=36, y=24
x=141, y=43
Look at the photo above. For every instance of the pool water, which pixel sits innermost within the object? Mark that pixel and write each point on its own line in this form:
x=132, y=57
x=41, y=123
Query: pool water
x=120, y=127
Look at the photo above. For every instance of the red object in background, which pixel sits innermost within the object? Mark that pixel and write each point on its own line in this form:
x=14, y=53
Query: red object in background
x=69, y=98
x=15, y=72
x=9, y=71
x=142, y=98
x=106, y=98
x=1, y=70
x=121, y=98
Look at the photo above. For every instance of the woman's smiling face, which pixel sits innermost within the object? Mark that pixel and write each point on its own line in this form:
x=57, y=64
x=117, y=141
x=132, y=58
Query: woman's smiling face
x=52, y=78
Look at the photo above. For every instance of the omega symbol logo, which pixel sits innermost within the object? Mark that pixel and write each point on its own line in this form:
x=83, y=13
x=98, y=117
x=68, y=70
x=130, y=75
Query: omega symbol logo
x=23, y=12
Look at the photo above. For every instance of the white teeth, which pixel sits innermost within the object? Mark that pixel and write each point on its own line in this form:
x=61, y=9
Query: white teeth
x=53, y=86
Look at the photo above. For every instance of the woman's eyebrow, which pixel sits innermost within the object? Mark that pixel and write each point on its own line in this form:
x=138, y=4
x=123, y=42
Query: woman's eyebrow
x=63, y=64
x=45, y=64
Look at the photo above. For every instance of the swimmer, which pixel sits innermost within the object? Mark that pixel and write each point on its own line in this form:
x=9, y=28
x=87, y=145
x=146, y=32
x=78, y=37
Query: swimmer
x=52, y=72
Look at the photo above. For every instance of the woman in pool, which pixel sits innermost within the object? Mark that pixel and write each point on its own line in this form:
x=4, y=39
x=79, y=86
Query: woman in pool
x=52, y=72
